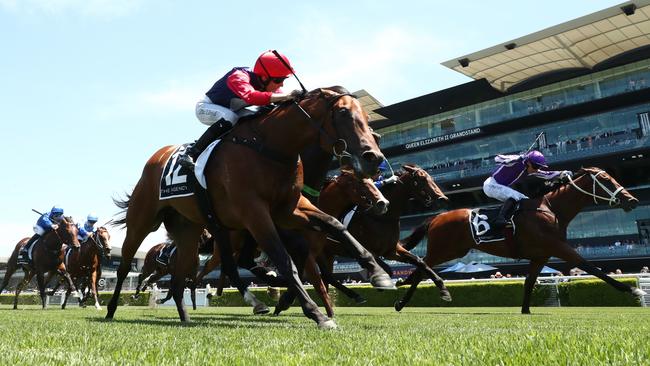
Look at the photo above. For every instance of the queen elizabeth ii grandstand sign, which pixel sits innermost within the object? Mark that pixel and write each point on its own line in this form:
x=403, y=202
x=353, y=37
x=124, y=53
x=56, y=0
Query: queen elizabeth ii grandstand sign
x=443, y=138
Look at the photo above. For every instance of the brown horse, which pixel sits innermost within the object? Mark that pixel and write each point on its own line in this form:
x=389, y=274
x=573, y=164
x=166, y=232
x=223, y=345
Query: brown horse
x=152, y=270
x=380, y=233
x=345, y=191
x=541, y=225
x=258, y=195
x=86, y=267
x=47, y=256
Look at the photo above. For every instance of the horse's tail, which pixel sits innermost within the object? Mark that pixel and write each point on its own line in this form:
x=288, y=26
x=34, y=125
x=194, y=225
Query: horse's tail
x=417, y=235
x=124, y=205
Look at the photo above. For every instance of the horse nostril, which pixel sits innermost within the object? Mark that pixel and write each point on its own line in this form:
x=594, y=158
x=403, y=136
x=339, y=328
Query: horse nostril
x=372, y=157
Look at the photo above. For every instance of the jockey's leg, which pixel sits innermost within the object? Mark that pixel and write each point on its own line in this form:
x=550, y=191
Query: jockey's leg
x=23, y=255
x=505, y=212
x=212, y=133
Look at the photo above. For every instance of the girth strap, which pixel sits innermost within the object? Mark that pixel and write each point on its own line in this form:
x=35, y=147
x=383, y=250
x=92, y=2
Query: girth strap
x=255, y=145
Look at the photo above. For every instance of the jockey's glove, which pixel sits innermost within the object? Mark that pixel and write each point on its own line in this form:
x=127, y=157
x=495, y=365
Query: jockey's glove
x=565, y=174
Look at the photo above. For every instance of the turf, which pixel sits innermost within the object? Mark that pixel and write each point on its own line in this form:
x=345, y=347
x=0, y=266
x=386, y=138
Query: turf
x=367, y=336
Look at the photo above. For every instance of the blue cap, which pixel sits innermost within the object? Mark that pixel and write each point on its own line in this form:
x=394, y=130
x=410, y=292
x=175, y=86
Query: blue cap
x=92, y=217
x=56, y=210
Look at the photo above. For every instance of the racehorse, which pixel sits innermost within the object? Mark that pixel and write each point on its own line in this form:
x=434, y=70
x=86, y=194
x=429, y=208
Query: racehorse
x=345, y=191
x=258, y=195
x=380, y=233
x=47, y=256
x=541, y=225
x=85, y=269
x=152, y=270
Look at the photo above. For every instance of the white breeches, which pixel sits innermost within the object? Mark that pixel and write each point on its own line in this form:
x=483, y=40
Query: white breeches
x=499, y=191
x=39, y=230
x=209, y=113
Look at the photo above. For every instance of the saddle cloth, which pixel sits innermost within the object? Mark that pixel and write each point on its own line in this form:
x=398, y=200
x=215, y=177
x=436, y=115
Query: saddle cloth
x=481, y=225
x=174, y=182
x=165, y=261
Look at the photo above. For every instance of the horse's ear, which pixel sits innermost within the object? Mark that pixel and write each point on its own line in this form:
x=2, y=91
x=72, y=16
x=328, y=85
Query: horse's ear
x=409, y=168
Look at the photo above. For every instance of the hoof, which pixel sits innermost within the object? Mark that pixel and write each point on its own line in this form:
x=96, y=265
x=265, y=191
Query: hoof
x=638, y=292
x=398, y=306
x=260, y=309
x=525, y=311
x=135, y=297
x=445, y=295
x=360, y=300
x=382, y=282
x=209, y=296
x=328, y=325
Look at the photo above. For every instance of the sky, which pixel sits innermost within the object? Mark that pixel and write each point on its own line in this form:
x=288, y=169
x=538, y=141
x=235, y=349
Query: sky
x=90, y=89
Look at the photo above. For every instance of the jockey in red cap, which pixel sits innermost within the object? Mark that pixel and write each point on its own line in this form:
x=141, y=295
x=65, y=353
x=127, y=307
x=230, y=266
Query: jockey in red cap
x=224, y=103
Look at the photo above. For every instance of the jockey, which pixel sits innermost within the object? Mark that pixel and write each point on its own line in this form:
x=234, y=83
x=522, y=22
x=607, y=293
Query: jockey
x=385, y=175
x=46, y=223
x=224, y=103
x=87, y=228
x=512, y=169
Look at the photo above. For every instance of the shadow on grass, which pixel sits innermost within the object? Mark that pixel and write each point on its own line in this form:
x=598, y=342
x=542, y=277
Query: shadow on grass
x=228, y=321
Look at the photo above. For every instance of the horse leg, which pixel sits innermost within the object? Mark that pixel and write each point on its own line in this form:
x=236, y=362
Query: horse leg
x=93, y=288
x=63, y=273
x=229, y=267
x=417, y=278
x=571, y=256
x=140, y=220
x=21, y=284
x=404, y=255
x=264, y=232
x=40, y=281
x=536, y=266
x=319, y=220
x=65, y=300
x=319, y=286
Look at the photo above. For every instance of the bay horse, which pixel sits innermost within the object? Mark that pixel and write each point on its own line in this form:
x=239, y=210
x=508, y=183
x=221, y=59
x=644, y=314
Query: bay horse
x=541, y=224
x=47, y=256
x=380, y=233
x=85, y=269
x=258, y=195
x=345, y=191
x=152, y=270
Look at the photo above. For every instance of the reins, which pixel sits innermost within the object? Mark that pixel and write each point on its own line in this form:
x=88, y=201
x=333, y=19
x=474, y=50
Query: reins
x=612, y=200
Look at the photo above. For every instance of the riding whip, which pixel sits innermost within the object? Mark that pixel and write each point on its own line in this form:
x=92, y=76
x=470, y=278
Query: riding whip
x=534, y=142
x=289, y=68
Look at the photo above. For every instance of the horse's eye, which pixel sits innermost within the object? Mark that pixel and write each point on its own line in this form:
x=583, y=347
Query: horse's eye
x=415, y=183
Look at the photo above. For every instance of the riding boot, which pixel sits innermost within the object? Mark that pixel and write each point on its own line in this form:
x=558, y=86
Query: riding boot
x=505, y=213
x=188, y=158
x=23, y=254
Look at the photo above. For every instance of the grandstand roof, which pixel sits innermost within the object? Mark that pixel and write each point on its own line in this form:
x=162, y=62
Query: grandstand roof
x=369, y=104
x=580, y=43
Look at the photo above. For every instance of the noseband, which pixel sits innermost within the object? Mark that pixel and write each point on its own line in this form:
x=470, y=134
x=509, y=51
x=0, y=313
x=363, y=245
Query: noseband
x=612, y=200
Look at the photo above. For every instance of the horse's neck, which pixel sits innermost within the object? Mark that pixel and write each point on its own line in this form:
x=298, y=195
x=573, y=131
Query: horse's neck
x=566, y=202
x=289, y=132
x=315, y=165
x=334, y=201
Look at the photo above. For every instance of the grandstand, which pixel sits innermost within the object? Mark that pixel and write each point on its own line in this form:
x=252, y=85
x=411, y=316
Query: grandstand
x=583, y=84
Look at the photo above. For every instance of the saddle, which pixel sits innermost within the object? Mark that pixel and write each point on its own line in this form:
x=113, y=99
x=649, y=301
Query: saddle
x=165, y=254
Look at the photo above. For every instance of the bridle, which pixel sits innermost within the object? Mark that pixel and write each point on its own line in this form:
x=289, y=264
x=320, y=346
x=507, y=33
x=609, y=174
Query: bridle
x=324, y=134
x=99, y=241
x=612, y=199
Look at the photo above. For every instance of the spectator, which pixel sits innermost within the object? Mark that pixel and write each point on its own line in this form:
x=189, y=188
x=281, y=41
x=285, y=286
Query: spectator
x=644, y=269
x=498, y=275
x=618, y=271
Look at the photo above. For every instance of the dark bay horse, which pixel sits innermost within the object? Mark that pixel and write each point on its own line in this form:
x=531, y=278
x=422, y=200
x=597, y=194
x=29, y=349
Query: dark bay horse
x=86, y=267
x=380, y=233
x=260, y=194
x=540, y=233
x=152, y=270
x=47, y=256
x=345, y=191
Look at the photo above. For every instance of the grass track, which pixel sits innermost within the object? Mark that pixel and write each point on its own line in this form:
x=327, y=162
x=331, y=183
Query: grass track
x=368, y=336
